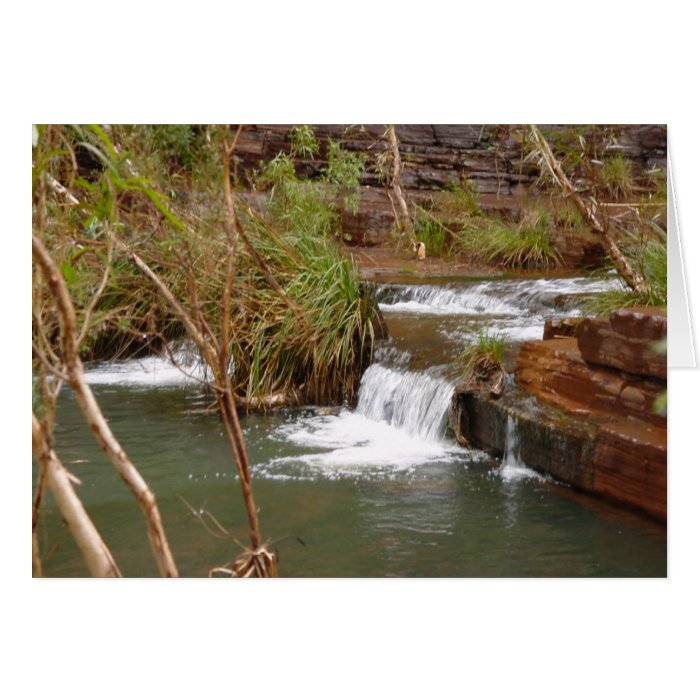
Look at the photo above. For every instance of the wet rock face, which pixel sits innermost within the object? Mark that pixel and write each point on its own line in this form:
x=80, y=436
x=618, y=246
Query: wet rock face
x=549, y=441
x=625, y=341
x=584, y=403
x=621, y=460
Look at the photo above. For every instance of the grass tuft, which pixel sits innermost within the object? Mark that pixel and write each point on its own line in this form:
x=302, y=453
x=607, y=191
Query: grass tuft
x=616, y=177
x=478, y=362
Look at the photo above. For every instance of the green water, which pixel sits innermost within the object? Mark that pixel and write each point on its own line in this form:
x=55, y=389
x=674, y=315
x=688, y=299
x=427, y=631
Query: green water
x=451, y=518
x=371, y=492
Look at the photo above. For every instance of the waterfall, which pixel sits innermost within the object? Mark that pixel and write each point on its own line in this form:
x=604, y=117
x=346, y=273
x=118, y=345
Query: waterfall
x=415, y=402
x=513, y=468
x=504, y=297
x=398, y=425
x=511, y=451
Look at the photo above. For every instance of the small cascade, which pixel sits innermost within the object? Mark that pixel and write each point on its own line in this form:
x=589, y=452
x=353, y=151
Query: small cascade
x=511, y=452
x=415, y=402
x=506, y=297
x=513, y=468
x=398, y=424
x=475, y=299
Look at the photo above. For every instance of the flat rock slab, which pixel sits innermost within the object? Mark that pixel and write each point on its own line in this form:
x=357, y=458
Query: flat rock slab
x=555, y=371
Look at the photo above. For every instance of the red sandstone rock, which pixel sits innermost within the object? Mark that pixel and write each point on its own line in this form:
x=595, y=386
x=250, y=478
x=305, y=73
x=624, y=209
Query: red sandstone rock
x=560, y=328
x=640, y=322
x=625, y=341
x=627, y=459
x=629, y=465
x=554, y=371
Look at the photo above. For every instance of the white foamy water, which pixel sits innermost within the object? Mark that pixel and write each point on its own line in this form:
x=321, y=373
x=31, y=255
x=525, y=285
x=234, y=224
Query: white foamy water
x=514, y=309
x=156, y=370
x=443, y=300
x=399, y=423
x=493, y=297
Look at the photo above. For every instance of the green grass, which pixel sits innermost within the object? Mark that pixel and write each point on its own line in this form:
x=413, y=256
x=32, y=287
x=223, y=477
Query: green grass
x=429, y=230
x=459, y=201
x=651, y=263
x=319, y=350
x=568, y=218
x=616, y=177
x=478, y=361
x=524, y=245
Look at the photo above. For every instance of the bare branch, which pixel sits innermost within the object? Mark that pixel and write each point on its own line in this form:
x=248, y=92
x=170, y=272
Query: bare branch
x=635, y=281
x=100, y=290
x=93, y=415
x=405, y=218
x=95, y=552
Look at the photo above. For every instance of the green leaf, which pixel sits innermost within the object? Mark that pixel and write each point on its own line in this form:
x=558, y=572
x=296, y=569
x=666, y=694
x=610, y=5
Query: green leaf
x=69, y=273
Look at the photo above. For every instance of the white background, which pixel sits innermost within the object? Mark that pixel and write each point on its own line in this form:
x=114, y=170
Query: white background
x=360, y=63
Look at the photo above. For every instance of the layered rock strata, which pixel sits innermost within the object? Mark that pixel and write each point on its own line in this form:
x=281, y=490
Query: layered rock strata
x=435, y=156
x=586, y=408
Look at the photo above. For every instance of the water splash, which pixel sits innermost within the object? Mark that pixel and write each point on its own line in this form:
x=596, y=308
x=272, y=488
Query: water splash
x=513, y=468
x=399, y=423
x=415, y=402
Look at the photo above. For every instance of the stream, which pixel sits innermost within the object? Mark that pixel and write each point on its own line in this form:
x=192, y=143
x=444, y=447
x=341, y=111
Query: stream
x=378, y=490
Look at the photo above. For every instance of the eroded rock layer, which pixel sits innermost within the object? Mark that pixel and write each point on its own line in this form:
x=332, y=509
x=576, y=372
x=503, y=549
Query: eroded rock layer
x=586, y=408
x=435, y=156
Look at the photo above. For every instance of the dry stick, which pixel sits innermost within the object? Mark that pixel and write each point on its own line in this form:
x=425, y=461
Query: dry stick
x=635, y=281
x=58, y=188
x=229, y=412
x=233, y=224
x=228, y=405
x=405, y=220
x=223, y=389
x=100, y=290
x=97, y=556
x=93, y=415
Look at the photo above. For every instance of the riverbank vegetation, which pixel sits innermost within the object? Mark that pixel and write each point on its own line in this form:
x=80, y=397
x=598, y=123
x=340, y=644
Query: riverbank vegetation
x=304, y=323
x=138, y=240
x=624, y=208
x=480, y=364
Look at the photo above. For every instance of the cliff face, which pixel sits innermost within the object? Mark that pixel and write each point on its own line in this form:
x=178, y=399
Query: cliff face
x=593, y=422
x=437, y=155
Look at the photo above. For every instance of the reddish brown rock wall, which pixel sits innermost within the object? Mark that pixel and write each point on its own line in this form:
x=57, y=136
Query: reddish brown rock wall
x=437, y=155
x=608, y=377
x=554, y=371
x=621, y=460
x=630, y=465
x=625, y=341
